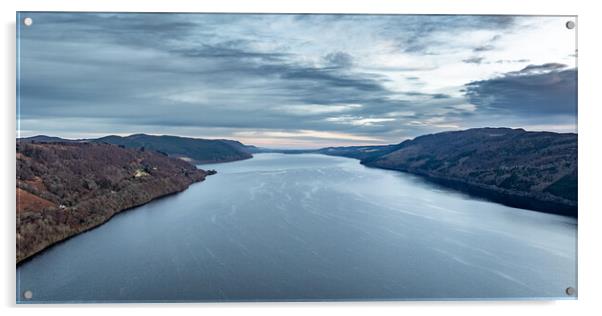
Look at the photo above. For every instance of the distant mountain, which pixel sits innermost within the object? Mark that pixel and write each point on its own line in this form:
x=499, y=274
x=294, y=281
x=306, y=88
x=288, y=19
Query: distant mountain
x=67, y=188
x=194, y=150
x=359, y=152
x=287, y=151
x=49, y=139
x=242, y=147
x=532, y=170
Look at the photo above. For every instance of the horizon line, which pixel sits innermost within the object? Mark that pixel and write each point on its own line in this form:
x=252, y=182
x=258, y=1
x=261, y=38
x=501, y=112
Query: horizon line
x=288, y=147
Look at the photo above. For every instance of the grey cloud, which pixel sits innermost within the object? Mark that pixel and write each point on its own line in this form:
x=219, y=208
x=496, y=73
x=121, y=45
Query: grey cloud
x=504, y=61
x=228, y=83
x=489, y=46
x=473, y=60
x=420, y=40
x=339, y=60
x=229, y=49
x=433, y=95
x=537, y=90
x=125, y=29
x=333, y=79
x=535, y=69
x=483, y=48
x=163, y=72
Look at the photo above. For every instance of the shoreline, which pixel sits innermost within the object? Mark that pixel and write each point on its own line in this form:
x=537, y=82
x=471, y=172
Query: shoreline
x=489, y=194
x=500, y=196
x=495, y=195
x=201, y=163
x=59, y=241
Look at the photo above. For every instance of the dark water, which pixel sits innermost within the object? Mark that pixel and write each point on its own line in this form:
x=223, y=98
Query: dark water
x=307, y=227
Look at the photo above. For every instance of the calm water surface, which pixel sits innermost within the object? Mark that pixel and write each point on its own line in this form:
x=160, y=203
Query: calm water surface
x=310, y=227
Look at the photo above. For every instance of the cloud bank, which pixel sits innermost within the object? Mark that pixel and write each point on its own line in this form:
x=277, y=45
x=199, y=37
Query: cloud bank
x=293, y=80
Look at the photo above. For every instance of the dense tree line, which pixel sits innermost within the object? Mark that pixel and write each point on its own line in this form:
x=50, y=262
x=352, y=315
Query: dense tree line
x=88, y=183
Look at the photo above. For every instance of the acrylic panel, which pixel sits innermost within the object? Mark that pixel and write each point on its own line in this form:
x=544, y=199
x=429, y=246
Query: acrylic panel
x=184, y=157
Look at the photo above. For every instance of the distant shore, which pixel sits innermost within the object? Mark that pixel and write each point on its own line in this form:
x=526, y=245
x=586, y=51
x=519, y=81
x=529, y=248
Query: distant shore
x=64, y=239
x=513, y=199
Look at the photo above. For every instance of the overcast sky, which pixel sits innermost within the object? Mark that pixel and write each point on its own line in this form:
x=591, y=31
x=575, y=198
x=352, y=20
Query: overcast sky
x=294, y=81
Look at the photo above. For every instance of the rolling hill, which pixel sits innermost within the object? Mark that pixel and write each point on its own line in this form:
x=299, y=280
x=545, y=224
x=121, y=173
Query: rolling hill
x=532, y=170
x=66, y=188
x=194, y=150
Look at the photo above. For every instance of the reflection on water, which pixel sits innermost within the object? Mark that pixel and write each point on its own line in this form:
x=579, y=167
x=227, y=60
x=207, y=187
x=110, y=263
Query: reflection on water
x=310, y=227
